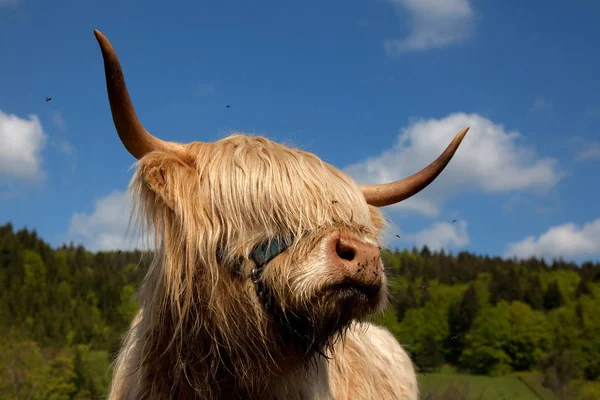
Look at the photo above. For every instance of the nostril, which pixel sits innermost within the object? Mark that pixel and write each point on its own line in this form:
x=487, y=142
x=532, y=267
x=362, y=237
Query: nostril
x=344, y=251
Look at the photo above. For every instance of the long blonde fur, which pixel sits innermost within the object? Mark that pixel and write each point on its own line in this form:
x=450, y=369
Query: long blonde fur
x=201, y=330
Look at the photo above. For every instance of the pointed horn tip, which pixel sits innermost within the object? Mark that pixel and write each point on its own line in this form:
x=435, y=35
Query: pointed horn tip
x=98, y=34
x=461, y=135
x=104, y=43
x=376, y=195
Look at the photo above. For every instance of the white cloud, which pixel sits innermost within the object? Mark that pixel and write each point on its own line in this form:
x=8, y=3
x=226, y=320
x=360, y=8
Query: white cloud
x=21, y=142
x=592, y=152
x=59, y=121
x=566, y=240
x=106, y=227
x=489, y=160
x=441, y=235
x=540, y=103
x=434, y=24
x=587, y=150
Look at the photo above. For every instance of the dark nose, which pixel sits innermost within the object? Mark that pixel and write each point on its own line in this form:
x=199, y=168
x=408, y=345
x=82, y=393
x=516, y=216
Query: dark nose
x=357, y=261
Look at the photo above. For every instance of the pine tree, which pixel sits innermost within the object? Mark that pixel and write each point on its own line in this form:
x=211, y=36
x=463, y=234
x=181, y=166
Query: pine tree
x=425, y=252
x=553, y=297
x=582, y=289
x=430, y=357
x=533, y=294
x=406, y=301
x=460, y=320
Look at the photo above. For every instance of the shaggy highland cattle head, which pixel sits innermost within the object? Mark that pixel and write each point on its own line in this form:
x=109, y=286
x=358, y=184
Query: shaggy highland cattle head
x=264, y=252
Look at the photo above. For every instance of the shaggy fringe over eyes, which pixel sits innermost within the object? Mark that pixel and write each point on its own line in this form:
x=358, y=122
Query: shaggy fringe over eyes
x=236, y=194
x=244, y=191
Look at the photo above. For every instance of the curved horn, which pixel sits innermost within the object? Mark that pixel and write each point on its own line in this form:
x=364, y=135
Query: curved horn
x=394, y=192
x=137, y=140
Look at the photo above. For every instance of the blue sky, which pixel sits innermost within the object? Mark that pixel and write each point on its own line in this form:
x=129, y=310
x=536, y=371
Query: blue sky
x=377, y=88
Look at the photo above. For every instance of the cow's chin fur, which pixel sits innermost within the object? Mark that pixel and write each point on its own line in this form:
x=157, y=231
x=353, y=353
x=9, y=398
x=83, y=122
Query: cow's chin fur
x=317, y=324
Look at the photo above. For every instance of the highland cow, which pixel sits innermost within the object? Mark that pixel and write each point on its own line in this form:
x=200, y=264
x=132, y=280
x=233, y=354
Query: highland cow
x=266, y=270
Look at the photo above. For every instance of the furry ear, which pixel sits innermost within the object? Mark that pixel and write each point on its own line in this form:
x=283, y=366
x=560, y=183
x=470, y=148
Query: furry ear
x=166, y=175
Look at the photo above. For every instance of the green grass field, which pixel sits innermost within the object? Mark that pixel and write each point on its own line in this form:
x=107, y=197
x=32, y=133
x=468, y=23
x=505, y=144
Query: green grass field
x=534, y=381
x=447, y=384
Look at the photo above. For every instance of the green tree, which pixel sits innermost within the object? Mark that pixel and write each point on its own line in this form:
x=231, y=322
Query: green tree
x=430, y=357
x=529, y=337
x=533, y=293
x=582, y=289
x=128, y=307
x=486, y=342
x=589, y=336
x=26, y=374
x=460, y=320
x=504, y=286
x=60, y=379
x=423, y=326
x=406, y=300
x=553, y=298
x=505, y=337
x=93, y=369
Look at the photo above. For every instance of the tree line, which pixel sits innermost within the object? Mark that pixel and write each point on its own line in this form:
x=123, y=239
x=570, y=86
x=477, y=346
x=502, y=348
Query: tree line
x=63, y=312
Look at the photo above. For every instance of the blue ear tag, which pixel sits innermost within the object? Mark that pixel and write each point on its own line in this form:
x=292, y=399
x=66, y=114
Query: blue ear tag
x=268, y=251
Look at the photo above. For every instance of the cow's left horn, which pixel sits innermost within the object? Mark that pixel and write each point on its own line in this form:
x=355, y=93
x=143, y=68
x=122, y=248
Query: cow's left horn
x=394, y=192
x=137, y=140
